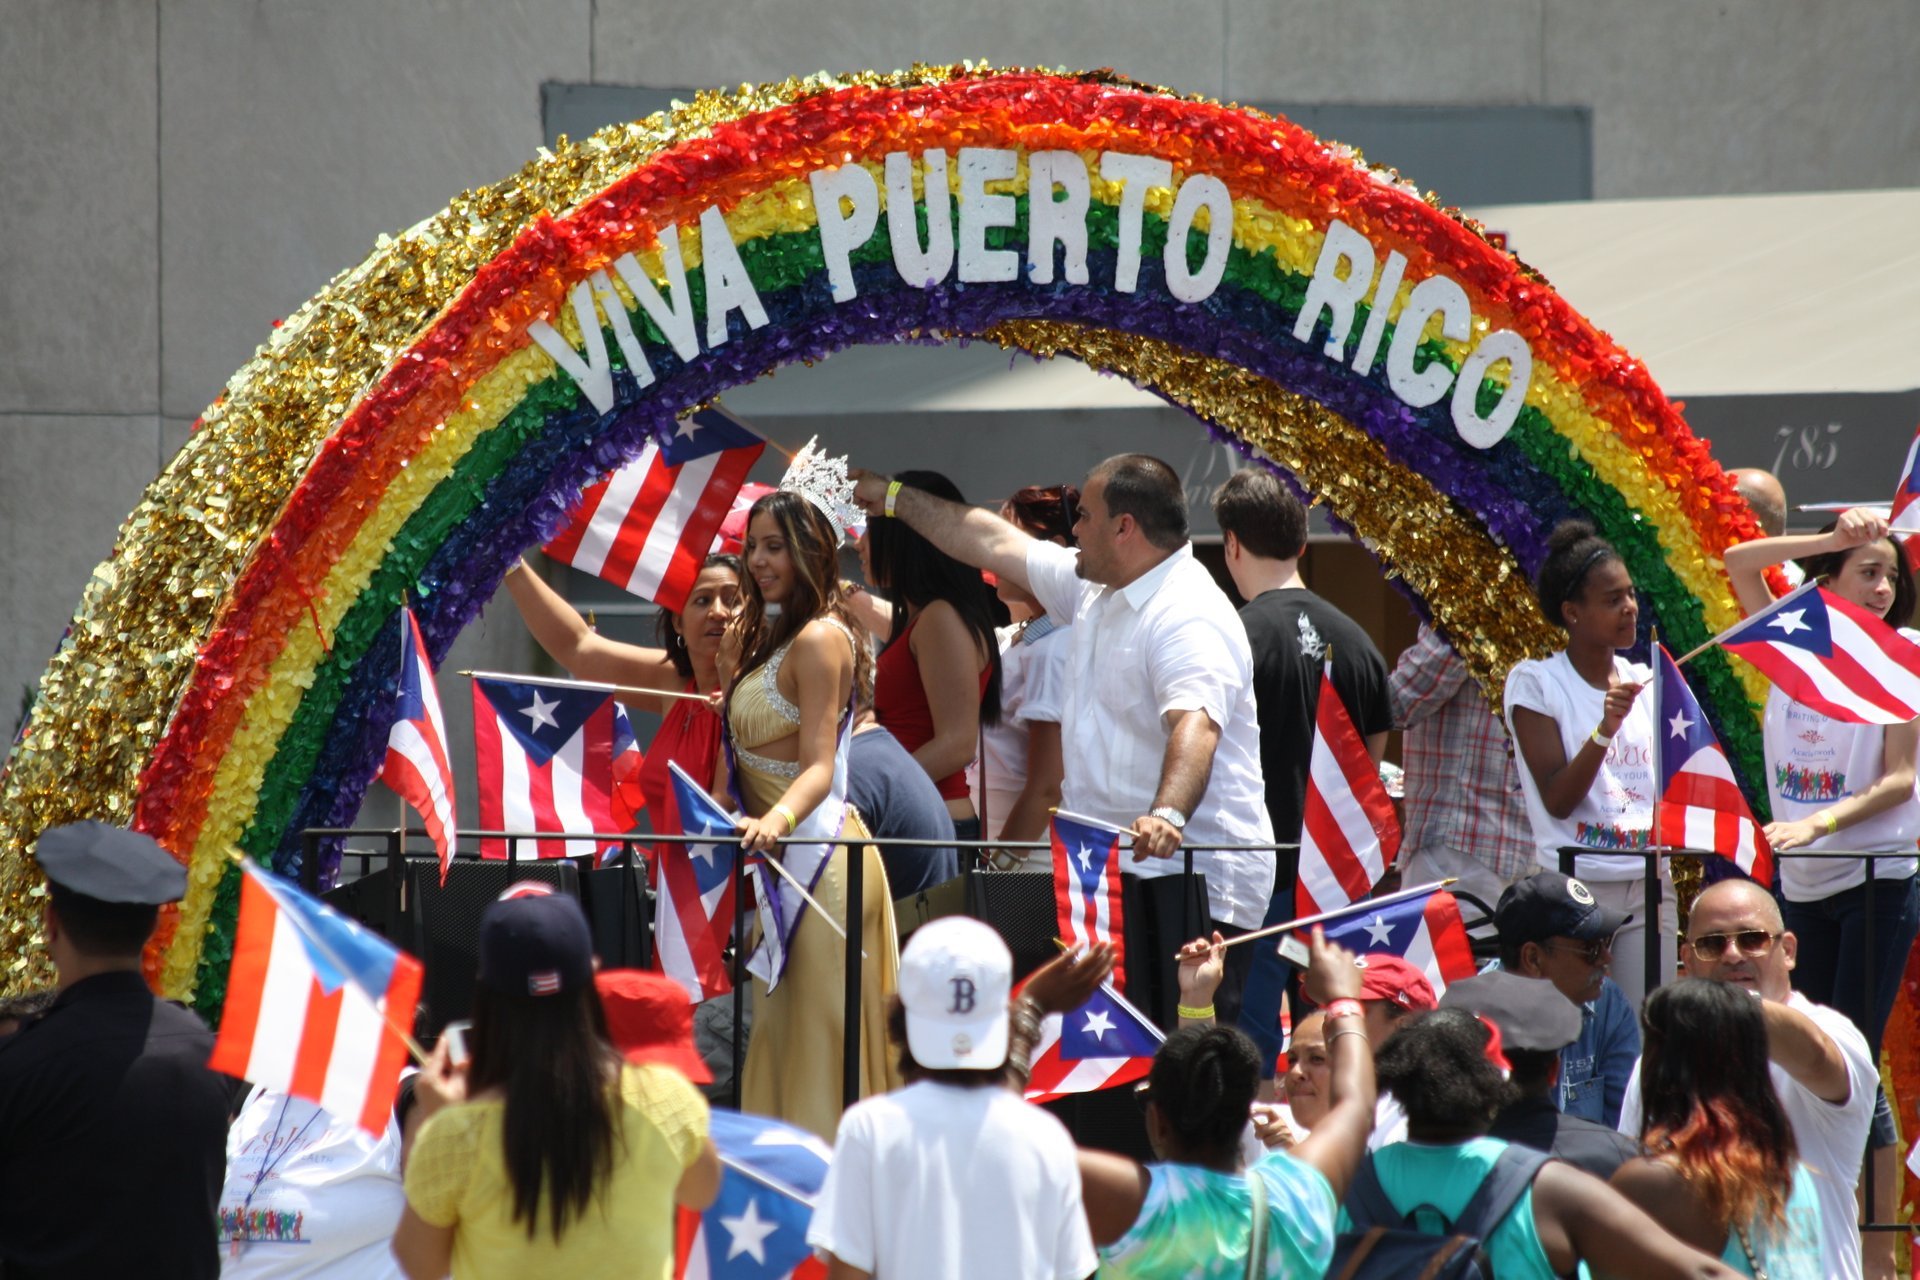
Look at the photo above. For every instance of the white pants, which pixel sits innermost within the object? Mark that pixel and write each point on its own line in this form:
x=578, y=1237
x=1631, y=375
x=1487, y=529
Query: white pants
x=1438, y=862
x=1630, y=947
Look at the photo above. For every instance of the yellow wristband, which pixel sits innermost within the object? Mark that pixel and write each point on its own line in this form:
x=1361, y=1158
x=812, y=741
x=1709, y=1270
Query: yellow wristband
x=1831, y=820
x=893, y=496
x=1201, y=1014
x=783, y=811
x=1599, y=739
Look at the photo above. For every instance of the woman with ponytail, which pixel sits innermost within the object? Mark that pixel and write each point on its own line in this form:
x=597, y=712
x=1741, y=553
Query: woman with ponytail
x=1721, y=1170
x=1584, y=736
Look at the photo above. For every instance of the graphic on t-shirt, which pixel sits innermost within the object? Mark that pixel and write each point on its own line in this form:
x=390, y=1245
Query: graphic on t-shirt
x=1310, y=642
x=1798, y=783
x=1607, y=835
x=243, y=1224
x=1812, y=737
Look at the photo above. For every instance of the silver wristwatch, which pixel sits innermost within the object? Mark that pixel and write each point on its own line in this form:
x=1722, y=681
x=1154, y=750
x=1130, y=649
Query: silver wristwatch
x=1169, y=815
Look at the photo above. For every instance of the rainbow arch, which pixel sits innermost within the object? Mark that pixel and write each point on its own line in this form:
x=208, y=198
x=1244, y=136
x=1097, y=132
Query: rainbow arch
x=227, y=679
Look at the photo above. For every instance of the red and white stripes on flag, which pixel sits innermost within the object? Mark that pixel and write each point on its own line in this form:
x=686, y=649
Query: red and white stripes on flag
x=1832, y=656
x=416, y=766
x=1700, y=805
x=1086, y=887
x=650, y=525
x=544, y=756
x=316, y=1005
x=1348, y=835
x=1905, y=516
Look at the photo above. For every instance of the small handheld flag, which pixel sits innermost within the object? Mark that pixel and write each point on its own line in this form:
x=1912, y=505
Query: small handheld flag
x=1832, y=656
x=1086, y=887
x=757, y=1227
x=1348, y=833
x=695, y=907
x=1700, y=804
x=416, y=765
x=1423, y=929
x=317, y=1006
x=1905, y=516
x=1104, y=1043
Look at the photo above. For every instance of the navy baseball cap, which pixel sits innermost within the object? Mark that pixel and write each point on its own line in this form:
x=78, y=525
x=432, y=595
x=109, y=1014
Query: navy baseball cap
x=1550, y=905
x=534, y=942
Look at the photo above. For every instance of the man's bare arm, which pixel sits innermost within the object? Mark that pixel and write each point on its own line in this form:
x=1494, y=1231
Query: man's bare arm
x=968, y=534
x=1806, y=1053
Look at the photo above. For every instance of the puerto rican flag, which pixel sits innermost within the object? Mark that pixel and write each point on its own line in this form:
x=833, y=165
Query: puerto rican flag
x=316, y=1004
x=1348, y=835
x=648, y=526
x=1104, y=1043
x=545, y=762
x=1425, y=930
x=1086, y=887
x=732, y=538
x=1906, y=516
x=1700, y=805
x=694, y=910
x=757, y=1228
x=416, y=766
x=1832, y=656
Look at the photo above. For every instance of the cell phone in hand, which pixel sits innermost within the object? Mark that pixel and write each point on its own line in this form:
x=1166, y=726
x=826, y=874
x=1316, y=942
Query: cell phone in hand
x=455, y=1035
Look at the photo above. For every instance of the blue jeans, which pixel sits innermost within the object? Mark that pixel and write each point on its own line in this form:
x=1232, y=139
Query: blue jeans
x=1832, y=966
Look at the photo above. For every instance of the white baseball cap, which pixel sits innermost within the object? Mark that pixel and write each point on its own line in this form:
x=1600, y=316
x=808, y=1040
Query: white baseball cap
x=955, y=974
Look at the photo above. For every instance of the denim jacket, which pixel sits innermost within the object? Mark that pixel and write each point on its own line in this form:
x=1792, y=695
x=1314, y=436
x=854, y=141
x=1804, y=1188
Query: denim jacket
x=1594, y=1069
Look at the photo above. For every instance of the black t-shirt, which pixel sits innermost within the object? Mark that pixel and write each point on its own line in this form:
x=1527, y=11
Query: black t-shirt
x=113, y=1137
x=1289, y=631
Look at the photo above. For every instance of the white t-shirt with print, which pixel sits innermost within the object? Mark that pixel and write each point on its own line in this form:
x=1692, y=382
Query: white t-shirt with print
x=1033, y=689
x=1814, y=760
x=308, y=1194
x=1617, y=812
x=938, y=1182
x=1832, y=1136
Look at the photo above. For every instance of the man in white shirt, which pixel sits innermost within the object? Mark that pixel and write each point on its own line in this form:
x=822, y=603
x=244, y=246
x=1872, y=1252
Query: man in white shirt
x=954, y=1176
x=1822, y=1068
x=1159, y=735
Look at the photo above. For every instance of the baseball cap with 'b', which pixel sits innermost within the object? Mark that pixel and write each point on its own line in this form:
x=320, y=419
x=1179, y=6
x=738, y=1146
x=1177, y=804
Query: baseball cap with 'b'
x=955, y=974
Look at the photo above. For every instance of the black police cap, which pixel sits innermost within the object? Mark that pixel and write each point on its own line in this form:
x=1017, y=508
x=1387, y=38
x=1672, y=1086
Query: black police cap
x=110, y=864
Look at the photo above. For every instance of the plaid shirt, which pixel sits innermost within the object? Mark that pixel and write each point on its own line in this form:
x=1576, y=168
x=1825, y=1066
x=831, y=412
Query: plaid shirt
x=1462, y=790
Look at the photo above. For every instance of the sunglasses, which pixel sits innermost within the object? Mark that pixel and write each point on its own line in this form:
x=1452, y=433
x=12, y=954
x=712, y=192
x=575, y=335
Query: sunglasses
x=1594, y=952
x=1753, y=942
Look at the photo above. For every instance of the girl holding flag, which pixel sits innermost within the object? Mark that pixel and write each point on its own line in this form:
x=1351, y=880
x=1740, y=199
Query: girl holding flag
x=1842, y=786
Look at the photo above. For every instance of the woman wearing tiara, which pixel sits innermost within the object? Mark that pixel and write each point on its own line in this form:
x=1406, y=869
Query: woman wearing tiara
x=797, y=652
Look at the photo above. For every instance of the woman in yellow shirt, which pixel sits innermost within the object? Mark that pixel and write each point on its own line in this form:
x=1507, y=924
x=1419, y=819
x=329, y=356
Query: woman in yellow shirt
x=546, y=1153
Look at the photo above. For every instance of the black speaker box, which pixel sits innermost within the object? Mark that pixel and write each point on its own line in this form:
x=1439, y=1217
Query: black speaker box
x=443, y=922
x=620, y=915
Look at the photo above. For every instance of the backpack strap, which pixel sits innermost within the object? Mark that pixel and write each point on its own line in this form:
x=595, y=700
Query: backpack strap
x=1500, y=1190
x=1257, y=1242
x=1367, y=1204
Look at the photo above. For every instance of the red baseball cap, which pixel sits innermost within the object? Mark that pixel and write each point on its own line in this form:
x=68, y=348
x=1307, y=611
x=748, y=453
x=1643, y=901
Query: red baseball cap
x=1388, y=977
x=650, y=1019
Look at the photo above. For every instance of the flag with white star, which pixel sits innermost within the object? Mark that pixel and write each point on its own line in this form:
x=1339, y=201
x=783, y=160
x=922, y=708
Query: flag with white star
x=1905, y=515
x=649, y=526
x=1700, y=804
x=1425, y=930
x=1104, y=1043
x=1086, y=887
x=1349, y=835
x=544, y=757
x=757, y=1227
x=1833, y=656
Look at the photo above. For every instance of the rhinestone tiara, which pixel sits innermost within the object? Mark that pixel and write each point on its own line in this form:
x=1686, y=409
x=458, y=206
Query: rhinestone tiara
x=823, y=481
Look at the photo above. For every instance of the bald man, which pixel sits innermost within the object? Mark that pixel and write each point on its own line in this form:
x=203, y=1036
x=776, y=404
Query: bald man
x=1764, y=496
x=1821, y=1066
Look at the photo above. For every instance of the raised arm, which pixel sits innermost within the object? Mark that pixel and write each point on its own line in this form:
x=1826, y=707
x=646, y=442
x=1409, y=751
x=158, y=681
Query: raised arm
x=560, y=630
x=1564, y=783
x=1337, y=1144
x=1747, y=563
x=1801, y=1049
x=968, y=534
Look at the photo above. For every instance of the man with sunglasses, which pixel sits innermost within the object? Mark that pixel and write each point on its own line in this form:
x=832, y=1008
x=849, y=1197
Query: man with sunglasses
x=1550, y=927
x=1822, y=1069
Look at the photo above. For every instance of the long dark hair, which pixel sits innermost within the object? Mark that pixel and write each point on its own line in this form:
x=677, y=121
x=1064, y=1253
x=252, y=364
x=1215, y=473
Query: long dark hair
x=1046, y=512
x=1436, y=1066
x=670, y=638
x=552, y=1058
x=1203, y=1080
x=815, y=548
x=1574, y=550
x=912, y=571
x=1829, y=565
x=1707, y=1100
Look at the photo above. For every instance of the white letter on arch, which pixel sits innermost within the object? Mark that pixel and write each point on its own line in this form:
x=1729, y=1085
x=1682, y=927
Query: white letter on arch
x=1335, y=293
x=728, y=285
x=1434, y=295
x=674, y=319
x=593, y=374
x=1501, y=344
x=1137, y=175
x=1061, y=222
x=1200, y=190
x=922, y=270
x=842, y=232
x=980, y=211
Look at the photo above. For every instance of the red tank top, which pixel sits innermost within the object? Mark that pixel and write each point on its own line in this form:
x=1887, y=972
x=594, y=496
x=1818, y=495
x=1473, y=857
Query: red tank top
x=689, y=736
x=900, y=705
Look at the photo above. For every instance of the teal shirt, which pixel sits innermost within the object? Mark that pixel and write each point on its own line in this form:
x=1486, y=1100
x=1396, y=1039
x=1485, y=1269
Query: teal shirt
x=1445, y=1177
x=1196, y=1222
x=1797, y=1249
